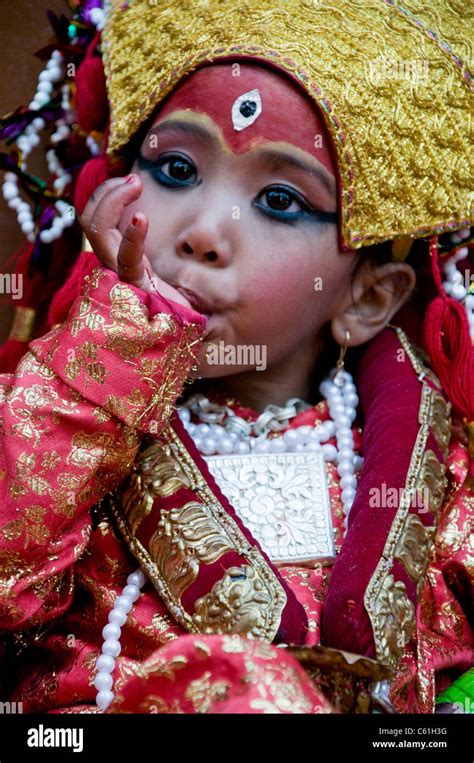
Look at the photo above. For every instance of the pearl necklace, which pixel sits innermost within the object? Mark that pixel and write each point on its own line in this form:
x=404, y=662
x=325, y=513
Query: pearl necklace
x=234, y=435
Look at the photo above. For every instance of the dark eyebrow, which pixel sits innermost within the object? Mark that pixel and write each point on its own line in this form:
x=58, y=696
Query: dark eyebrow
x=276, y=158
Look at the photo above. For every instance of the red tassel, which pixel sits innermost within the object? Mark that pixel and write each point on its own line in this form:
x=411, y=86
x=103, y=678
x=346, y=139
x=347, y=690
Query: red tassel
x=91, y=95
x=447, y=339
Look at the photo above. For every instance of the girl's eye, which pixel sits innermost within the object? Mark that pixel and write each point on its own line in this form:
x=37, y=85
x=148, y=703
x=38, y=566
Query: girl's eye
x=286, y=205
x=173, y=170
x=281, y=199
x=178, y=168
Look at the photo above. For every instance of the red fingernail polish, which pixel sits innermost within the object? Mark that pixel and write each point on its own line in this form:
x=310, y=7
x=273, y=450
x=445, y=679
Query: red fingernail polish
x=130, y=179
x=135, y=220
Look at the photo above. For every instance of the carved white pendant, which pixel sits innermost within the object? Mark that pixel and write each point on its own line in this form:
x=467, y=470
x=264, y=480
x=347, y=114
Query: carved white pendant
x=246, y=109
x=283, y=500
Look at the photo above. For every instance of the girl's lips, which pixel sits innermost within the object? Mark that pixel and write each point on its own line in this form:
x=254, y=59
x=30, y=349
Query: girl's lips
x=197, y=302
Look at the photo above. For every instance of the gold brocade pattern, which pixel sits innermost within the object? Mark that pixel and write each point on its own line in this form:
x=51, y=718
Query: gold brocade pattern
x=197, y=533
x=184, y=539
x=390, y=610
x=236, y=604
x=388, y=78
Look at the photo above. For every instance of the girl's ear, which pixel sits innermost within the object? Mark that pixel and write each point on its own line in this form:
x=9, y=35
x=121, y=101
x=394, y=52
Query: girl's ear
x=377, y=293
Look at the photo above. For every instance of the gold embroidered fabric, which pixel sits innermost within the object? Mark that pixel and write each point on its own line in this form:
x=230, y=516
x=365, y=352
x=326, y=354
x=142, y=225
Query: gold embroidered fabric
x=247, y=599
x=409, y=541
x=391, y=79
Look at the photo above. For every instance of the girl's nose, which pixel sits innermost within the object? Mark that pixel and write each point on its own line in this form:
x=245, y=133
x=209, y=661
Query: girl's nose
x=208, y=239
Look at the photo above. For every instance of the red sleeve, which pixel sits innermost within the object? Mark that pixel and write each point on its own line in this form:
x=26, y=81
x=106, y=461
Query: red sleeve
x=71, y=419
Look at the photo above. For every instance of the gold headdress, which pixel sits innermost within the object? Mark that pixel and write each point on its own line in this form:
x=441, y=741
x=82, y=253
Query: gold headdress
x=391, y=80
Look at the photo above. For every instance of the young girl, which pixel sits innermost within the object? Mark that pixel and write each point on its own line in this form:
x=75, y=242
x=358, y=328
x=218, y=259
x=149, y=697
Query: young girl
x=182, y=493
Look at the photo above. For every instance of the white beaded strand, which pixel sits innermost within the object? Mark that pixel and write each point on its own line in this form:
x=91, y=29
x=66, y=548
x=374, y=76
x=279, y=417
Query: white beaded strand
x=111, y=632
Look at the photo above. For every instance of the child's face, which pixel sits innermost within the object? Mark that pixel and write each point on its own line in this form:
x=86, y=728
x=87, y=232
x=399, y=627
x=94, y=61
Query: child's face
x=257, y=258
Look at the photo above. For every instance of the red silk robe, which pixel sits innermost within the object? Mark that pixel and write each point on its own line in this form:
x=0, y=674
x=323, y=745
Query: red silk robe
x=73, y=417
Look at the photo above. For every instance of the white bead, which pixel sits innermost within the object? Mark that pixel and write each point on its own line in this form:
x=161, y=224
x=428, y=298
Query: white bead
x=56, y=55
x=10, y=177
x=23, y=143
x=132, y=592
x=23, y=216
x=348, y=494
x=105, y=663
x=300, y=447
x=46, y=236
x=34, y=140
x=111, y=631
x=28, y=226
x=117, y=616
x=123, y=604
x=241, y=448
x=44, y=76
x=358, y=462
x=290, y=438
x=208, y=446
x=41, y=98
x=458, y=291
x=203, y=429
x=39, y=123
x=345, y=454
x=111, y=647
x=348, y=481
x=184, y=414
x=44, y=86
x=34, y=106
x=469, y=303
x=10, y=190
x=337, y=410
x=313, y=447
x=304, y=433
x=13, y=203
x=55, y=73
x=342, y=420
x=352, y=400
x=225, y=445
x=136, y=578
x=345, y=468
x=461, y=253
x=329, y=452
x=104, y=698
x=103, y=681
x=277, y=445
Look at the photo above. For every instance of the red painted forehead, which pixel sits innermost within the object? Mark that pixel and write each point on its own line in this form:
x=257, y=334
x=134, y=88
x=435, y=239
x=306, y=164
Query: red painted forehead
x=287, y=114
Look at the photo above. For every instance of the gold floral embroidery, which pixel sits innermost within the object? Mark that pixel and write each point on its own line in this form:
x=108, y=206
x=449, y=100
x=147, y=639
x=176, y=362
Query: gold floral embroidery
x=184, y=539
x=413, y=549
x=433, y=477
x=203, y=692
x=396, y=611
x=238, y=603
x=156, y=475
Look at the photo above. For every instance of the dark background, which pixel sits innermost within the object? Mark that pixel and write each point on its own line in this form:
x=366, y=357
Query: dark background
x=24, y=29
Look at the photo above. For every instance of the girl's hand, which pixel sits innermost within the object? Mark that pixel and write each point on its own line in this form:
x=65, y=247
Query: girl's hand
x=125, y=254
